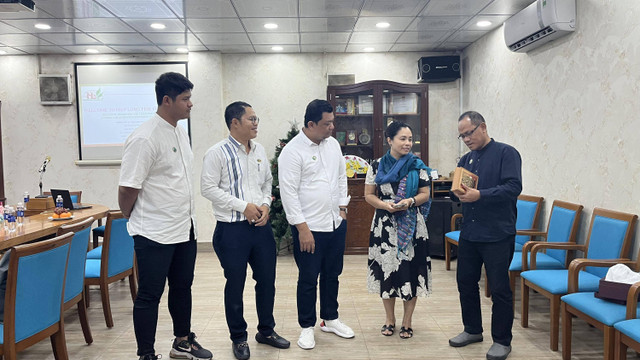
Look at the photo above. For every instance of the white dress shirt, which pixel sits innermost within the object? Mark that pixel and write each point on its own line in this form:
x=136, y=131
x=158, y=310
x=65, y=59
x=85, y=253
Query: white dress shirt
x=313, y=182
x=231, y=178
x=157, y=160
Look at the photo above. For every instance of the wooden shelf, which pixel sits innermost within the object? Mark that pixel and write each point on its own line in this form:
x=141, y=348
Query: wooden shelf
x=440, y=188
x=372, y=97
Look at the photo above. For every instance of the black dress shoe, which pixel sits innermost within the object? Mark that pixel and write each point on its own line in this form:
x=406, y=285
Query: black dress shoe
x=241, y=350
x=274, y=340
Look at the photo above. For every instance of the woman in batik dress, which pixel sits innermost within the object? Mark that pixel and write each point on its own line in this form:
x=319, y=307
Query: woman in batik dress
x=398, y=186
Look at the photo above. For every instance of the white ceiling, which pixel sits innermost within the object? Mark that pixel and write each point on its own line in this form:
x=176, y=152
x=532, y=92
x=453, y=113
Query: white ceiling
x=237, y=26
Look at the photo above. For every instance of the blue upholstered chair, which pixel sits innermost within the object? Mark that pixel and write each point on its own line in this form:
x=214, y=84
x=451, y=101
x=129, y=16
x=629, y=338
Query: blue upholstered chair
x=116, y=262
x=74, y=283
x=528, y=208
x=608, y=242
x=528, y=212
x=627, y=332
x=602, y=314
x=96, y=252
x=34, y=297
x=562, y=227
x=451, y=239
x=98, y=232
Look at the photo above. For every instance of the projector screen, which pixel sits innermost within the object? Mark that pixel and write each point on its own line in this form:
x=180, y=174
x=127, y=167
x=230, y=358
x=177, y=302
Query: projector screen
x=113, y=99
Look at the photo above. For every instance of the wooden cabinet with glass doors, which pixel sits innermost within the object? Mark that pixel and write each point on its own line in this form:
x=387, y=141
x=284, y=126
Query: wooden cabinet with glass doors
x=362, y=113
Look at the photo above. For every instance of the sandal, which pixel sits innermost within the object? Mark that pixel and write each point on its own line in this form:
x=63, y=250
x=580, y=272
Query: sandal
x=386, y=328
x=406, y=333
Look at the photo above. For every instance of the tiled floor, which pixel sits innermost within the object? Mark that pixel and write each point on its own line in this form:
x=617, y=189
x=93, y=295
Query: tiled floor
x=436, y=319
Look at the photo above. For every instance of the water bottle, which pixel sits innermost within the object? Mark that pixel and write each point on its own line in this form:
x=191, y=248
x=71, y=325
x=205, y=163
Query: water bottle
x=20, y=213
x=6, y=217
x=59, y=203
x=12, y=219
x=26, y=198
x=1, y=215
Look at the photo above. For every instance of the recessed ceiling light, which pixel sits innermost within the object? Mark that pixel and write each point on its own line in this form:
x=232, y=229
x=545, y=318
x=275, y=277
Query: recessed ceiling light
x=92, y=51
x=369, y=49
x=42, y=26
x=2, y=52
x=182, y=50
x=158, y=26
x=382, y=25
x=483, y=23
x=270, y=26
x=277, y=48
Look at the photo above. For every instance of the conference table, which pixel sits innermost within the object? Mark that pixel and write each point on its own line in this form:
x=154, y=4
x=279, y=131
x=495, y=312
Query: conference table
x=39, y=226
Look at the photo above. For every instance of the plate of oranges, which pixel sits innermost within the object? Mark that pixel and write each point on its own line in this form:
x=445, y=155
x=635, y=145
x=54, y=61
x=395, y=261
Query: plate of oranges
x=60, y=214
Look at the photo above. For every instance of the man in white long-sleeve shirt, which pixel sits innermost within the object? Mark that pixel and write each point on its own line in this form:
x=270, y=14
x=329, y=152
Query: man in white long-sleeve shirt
x=236, y=178
x=313, y=187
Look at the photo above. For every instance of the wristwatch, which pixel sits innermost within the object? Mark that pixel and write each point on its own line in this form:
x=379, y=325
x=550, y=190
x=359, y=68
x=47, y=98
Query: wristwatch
x=344, y=209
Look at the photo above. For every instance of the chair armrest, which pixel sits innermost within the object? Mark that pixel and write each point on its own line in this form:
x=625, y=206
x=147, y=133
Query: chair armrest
x=529, y=245
x=525, y=250
x=578, y=264
x=453, y=221
x=632, y=300
x=550, y=245
x=532, y=232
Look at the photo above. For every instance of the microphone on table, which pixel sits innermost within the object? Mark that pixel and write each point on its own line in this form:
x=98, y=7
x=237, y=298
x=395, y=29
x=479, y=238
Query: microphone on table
x=43, y=167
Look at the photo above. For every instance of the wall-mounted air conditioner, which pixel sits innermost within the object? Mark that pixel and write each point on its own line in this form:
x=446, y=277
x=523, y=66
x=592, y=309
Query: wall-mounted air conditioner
x=539, y=23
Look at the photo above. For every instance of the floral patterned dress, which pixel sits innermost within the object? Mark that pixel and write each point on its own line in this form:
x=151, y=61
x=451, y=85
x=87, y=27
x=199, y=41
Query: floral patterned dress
x=390, y=275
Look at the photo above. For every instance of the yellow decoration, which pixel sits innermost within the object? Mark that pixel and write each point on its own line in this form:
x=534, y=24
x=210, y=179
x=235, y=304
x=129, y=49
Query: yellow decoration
x=356, y=165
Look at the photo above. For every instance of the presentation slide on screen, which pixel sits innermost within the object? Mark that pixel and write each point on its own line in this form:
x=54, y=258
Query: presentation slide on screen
x=113, y=100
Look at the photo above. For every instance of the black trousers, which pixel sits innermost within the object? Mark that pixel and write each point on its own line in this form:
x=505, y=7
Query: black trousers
x=496, y=257
x=157, y=263
x=326, y=262
x=238, y=244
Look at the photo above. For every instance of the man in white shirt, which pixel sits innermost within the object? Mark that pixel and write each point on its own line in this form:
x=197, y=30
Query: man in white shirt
x=313, y=187
x=156, y=195
x=236, y=178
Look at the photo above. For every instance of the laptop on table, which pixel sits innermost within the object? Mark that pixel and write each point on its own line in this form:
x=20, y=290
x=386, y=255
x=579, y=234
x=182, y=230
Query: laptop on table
x=66, y=200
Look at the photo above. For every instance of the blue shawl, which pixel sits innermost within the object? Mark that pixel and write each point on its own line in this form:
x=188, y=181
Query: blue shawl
x=406, y=172
x=392, y=170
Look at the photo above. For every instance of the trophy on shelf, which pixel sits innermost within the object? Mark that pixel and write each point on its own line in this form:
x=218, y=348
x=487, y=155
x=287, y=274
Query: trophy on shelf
x=364, y=137
x=42, y=170
x=351, y=138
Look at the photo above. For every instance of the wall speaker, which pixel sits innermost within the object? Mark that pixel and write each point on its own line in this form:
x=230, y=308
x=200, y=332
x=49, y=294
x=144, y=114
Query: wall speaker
x=55, y=89
x=438, y=69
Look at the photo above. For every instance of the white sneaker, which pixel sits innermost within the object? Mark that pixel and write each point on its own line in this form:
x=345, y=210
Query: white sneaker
x=337, y=327
x=306, y=339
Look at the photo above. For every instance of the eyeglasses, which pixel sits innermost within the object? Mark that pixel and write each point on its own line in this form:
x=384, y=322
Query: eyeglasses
x=469, y=133
x=254, y=120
